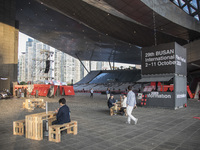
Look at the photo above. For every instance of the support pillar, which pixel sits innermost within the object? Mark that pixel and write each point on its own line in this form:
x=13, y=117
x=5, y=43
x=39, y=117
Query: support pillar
x=82, y=63
x=8, y=43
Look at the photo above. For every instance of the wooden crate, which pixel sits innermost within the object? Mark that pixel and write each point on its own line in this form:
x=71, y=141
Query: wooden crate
x=118, y=105
x=30, y=104
x=34, y=125
x=55, y=130
x=18, y=127
x=39, y=103
x=34, y=128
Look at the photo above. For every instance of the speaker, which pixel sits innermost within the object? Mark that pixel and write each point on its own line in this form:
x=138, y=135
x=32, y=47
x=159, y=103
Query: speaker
x=47, y=66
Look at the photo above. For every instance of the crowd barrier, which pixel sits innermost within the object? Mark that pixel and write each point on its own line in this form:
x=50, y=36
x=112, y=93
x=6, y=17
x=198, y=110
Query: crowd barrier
x=43, y=89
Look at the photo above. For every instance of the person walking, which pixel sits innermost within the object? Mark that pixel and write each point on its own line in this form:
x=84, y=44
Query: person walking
x=131, y=103
x=108, y=93
x=22, y=92
x=91, y=92
x=25, y=92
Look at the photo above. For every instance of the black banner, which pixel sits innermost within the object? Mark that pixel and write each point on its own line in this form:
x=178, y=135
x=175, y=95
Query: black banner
x=164, y=59
x=47, y=66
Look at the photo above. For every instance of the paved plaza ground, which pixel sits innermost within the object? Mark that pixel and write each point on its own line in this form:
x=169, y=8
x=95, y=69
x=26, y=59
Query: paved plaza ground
x=157, y=128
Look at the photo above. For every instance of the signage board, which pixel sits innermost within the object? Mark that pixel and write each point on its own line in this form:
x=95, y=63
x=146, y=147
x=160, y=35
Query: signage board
x=164, y=59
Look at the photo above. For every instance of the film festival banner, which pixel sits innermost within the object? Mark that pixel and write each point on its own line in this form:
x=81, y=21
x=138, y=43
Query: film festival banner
x=164, y=59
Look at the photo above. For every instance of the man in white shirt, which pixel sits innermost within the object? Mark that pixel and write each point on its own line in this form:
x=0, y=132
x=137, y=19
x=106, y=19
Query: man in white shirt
x=131, y=103
x=91, y=93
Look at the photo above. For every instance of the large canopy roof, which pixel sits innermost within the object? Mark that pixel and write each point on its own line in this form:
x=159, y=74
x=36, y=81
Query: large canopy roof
x=106, y=30
x=191, y=7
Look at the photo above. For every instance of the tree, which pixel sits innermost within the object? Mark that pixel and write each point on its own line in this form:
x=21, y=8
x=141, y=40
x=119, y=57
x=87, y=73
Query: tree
x=22, y=83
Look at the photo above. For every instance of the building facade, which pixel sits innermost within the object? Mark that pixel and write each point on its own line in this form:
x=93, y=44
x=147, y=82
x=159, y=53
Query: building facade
x=21, y=67
x=66, y=68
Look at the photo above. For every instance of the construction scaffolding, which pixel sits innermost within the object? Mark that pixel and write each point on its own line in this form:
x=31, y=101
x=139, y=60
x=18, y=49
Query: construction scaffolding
x=43, y=65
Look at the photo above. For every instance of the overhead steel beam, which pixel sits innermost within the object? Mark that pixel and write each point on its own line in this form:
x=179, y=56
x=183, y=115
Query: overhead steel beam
x=82, y=63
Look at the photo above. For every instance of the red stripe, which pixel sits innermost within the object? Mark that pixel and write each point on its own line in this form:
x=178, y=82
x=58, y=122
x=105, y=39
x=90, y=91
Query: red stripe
x=197, y=118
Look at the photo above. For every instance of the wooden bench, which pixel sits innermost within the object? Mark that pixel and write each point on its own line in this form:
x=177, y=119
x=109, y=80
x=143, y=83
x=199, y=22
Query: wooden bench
x=118, y=110
x=18, y=127
x=55, y=130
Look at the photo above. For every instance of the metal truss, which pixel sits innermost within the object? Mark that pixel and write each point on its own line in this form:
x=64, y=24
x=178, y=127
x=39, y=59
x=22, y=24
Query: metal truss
x=191, y=7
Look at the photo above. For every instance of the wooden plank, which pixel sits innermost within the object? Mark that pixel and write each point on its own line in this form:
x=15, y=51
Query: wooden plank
x=26, y=119
x=75, y=129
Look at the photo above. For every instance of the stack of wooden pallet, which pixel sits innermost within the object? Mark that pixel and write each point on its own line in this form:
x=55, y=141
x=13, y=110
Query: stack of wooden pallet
x=31, y=104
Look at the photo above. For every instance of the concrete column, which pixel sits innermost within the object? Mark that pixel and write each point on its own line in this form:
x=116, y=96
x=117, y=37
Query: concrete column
x=8, y=42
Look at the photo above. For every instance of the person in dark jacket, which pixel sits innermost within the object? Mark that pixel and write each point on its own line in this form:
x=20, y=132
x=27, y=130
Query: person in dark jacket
x=111, y=101
x=63, y=113
x=112, y=105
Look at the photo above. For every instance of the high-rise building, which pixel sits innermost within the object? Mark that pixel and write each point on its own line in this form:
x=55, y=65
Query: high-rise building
x=66, y=68
x=21, y=67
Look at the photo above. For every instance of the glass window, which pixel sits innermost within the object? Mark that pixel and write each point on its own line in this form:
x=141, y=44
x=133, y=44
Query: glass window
x=176, y=2
x=186, y=9
x=189, y=6
x=192, y=10
x=196, y=17
x=182, y=2
x=194, y=3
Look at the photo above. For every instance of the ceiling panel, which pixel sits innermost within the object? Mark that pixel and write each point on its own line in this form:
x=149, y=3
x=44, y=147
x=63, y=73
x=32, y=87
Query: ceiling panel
x=99, y=30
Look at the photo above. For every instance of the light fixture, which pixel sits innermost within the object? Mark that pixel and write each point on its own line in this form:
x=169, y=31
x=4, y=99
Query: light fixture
x=4, y=78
